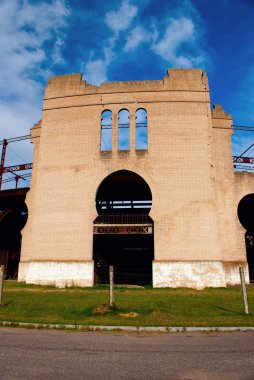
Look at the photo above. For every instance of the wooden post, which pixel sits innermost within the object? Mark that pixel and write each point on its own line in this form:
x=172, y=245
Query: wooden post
x=244, y=292
x=1, y=283
x=111, y=286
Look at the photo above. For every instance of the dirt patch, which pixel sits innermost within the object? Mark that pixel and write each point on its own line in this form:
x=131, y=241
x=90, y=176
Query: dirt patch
x=130, y=286
x=101, y=309
x=132, y=314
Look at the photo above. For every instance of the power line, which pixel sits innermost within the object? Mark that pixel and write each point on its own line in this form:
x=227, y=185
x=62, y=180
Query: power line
x=13, y=178
x=13, y=151
x=246, y=128
x=245, y=151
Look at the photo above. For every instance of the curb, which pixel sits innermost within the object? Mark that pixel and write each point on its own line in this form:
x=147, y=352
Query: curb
x=163, y=329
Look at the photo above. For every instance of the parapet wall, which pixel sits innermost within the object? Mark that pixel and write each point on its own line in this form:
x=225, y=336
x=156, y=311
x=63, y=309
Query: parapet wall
x=176, y=80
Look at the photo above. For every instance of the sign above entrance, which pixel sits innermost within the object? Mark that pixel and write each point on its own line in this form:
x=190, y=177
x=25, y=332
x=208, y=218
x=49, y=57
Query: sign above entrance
x=121, y=229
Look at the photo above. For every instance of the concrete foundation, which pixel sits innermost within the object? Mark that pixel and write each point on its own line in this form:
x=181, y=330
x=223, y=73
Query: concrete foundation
x=198, y=275
x=59, y=274
x=232, y=272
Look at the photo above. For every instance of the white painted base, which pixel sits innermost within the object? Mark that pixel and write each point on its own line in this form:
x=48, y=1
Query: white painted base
x=174, y=274
x=196, y=274
x=232, y=273
x=59, y=274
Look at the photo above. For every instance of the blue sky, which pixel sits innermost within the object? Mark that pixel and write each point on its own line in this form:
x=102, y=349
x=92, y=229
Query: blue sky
x=122, y=40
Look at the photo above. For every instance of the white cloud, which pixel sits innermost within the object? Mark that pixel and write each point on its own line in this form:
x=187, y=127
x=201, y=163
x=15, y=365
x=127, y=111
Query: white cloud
x=26, y=28
x=57, y=55
x=138, y=36
x=122, y=18
x=178, y=43
x=109, y=50
x=178, y=32
x=96, y=71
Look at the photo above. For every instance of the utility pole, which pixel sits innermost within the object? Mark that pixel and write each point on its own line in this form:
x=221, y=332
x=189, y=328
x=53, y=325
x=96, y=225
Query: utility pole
x=111, y=286
x=5, y=143
x=1, y=283
x=244, y=292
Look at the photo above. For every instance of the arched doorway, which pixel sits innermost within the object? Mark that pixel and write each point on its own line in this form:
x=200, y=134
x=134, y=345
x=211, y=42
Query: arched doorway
x=123, y=229
x=246, y=216
x=13, y=217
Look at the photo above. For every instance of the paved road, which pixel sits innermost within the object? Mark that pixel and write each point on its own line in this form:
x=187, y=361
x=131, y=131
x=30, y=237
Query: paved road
x=30, y=354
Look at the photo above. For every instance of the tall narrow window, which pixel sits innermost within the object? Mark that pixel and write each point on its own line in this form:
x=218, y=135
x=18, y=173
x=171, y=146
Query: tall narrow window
x=124, y=130
x=141, y=129
x=106, y=131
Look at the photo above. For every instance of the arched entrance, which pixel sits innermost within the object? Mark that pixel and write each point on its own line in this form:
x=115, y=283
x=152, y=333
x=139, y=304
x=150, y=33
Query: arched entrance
x=13, y=217
x=123, y=229
x=246, y=217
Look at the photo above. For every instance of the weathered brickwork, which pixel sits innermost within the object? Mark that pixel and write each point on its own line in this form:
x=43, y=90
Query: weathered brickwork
x=198, y=240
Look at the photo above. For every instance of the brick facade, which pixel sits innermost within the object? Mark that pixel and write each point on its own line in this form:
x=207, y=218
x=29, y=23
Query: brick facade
x=198, y=240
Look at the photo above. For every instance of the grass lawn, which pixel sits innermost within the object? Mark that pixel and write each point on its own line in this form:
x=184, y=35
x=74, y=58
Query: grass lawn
x=137, y=307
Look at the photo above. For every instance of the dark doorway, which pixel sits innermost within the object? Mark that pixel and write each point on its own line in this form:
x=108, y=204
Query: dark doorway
x=123, y=230
x=246, y=217
x=13, y=217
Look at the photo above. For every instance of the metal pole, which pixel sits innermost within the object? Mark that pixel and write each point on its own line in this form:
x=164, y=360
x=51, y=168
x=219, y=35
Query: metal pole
x=111, y=286
x=5, y=143
x=244, y=292
x=7, y=259
x=1, y=283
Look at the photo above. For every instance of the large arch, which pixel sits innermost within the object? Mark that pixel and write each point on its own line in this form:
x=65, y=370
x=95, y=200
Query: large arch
x=123, y=229
x=245, y=213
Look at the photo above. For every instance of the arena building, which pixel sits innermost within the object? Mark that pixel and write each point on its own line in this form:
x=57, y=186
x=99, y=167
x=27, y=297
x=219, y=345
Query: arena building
x=138, y=175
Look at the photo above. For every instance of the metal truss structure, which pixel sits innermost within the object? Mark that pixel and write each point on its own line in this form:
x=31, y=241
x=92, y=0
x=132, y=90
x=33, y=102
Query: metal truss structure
x=12, y=169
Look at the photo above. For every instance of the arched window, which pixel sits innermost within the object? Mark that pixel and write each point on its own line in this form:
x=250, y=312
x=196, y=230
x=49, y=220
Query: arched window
x=141, y=129
x=106, y=131
x=124, y=130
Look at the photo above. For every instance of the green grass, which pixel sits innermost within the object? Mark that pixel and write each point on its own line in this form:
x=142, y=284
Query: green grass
x=154, y=307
